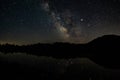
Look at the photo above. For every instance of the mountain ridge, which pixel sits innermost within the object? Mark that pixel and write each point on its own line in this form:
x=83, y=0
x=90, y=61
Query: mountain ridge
x=103, y=50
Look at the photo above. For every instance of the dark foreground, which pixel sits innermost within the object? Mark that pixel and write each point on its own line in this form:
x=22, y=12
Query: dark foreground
x=24, y=67
x=104, y=50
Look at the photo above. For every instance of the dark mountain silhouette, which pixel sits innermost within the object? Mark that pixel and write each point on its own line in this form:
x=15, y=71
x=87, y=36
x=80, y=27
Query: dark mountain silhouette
x=106, y=50
x=103, y=50
x=107, y=41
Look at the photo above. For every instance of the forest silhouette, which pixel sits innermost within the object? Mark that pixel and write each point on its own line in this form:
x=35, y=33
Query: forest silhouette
x=97, y=60
x=103, y=50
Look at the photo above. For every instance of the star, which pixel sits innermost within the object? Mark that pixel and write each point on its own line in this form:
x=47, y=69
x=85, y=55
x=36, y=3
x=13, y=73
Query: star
x=81, y=19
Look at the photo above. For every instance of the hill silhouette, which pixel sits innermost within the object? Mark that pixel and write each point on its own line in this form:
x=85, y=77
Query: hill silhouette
x=106, y=41
x=103, y=50
x=106, y=50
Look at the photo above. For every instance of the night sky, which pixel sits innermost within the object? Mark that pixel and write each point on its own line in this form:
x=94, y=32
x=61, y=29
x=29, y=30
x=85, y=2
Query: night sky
x=47, y=21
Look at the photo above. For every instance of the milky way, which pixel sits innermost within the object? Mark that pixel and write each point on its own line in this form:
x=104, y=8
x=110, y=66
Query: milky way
x=48, y=21
x=64, y=23
x=70, y=17
x=56, y=20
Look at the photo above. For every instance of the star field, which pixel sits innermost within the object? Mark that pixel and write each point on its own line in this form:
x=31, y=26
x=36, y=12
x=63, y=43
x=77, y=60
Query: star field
x=46, y=21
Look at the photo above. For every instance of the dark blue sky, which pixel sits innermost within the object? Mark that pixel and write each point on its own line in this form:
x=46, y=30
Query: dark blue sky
x=33, y=21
